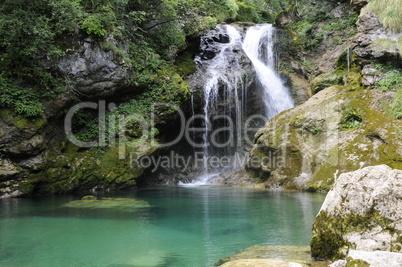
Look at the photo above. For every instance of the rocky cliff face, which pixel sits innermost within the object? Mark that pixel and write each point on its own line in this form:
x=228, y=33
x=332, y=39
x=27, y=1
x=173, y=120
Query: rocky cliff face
x=361, y=212
x=95, y=72
x=374, y=41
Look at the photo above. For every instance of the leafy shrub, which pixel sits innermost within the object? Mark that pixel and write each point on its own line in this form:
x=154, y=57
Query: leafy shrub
x=93, y=25
x=396, y=105
x=392, y=79
x=351, y=118
x=23, y=101
x=252, y=13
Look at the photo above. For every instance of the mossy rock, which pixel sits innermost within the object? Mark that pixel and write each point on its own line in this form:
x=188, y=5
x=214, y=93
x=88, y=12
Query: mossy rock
x=299, y=255
x=350, y=262
x=354, y=79
x=185, y=64
x=119, y=204
x=326, y=80
x=90, y=197
x=111, y=168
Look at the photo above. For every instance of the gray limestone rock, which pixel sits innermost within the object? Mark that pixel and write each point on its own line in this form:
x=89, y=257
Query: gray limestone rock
x=363, y=211
x=373, y=39
x=93, y=71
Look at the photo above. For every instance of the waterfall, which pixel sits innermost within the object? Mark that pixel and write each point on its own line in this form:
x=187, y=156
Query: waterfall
x=235, y=66
x=221, y=93
x=258, y=45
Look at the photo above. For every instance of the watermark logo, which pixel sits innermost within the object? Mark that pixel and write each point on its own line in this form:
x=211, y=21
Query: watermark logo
x=205, y=135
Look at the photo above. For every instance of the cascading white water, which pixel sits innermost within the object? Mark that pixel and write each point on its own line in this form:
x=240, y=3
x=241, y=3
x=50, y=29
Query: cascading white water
x=276, y=95
x=221, y=74
x=226, y=87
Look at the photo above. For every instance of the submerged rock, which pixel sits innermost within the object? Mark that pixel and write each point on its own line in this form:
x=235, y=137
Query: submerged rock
x=120, y=204
x=269, y=256
x=262, y=263
x=90, y=197
x=151, y=258
x=363, y=212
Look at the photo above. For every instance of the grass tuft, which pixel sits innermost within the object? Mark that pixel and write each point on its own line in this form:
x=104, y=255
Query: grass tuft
x=389, y=12
x=385, y=43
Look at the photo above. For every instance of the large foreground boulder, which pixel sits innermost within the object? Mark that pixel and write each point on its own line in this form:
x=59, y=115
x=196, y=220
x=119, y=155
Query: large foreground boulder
x=362, y=212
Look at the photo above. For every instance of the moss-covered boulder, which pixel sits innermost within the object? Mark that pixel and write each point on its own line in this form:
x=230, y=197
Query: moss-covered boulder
x=119, y=204
x=361, y=212
x=337, y=130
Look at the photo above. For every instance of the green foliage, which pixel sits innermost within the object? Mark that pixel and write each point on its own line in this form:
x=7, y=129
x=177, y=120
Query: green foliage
x=252, y=13
x=93, y=25
x=231, y=8
x=86, y=125
x=285, y=67
x=23, y=101
x=28, y=35
x=392, y=79
x=340, y=24
x=351, y=118
x=398, y=130
x=396, y=105
x=389, y=12
x=185, y=64
x=313, y=22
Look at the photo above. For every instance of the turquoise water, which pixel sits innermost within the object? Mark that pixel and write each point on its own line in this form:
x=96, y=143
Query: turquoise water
x=185, y=226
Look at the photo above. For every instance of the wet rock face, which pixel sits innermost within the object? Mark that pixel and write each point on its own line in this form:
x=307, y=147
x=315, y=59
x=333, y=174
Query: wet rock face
x=363, y=211
x=93, y=71
x=210, y=44
x=24, y=137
